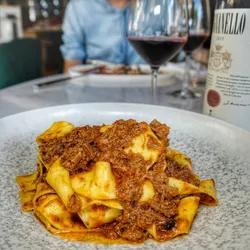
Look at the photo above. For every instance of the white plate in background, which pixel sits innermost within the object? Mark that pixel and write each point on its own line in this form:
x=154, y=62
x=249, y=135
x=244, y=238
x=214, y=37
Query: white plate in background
x=168, y=75
x=121, y=80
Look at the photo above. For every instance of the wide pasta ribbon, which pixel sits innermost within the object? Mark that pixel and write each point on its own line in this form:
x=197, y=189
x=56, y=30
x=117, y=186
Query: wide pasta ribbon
x=28, y=184
x=179, y=157
x=49, y=208
x=97, y=214
x=92, y=193
x=57, y=130
x=140, y=145
x=97, y=192
x=59, y=179
x=98, y=183
x=206, y=189
x=187, y=210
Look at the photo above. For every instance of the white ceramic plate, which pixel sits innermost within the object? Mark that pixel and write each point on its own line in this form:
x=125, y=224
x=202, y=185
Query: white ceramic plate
x=217, y=149
x=124, y=81
x=166, y=77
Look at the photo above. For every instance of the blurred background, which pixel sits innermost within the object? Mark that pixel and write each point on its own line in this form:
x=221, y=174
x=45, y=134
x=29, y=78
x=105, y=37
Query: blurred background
x=36, y=19
x=31, y=33
x=30, y=40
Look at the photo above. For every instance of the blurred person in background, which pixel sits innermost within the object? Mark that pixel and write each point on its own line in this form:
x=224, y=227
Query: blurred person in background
x=96, y=30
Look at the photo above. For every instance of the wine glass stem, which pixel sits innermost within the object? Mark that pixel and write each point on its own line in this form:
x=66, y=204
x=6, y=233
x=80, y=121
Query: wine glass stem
x=154, y=84
x=186, y=81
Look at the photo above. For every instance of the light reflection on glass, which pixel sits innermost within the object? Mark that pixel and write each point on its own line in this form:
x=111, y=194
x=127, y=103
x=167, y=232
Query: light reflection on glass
x=157, y=10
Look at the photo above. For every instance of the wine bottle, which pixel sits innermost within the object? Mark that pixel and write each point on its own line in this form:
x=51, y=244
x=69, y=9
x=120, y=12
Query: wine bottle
x=227, y=94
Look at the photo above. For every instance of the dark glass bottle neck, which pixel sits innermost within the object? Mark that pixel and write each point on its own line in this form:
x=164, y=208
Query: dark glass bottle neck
x=227, y=4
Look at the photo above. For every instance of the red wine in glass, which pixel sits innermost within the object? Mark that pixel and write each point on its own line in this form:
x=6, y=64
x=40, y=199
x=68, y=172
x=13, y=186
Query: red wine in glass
x=194, y=41
x=157, y=30
x=157, y=50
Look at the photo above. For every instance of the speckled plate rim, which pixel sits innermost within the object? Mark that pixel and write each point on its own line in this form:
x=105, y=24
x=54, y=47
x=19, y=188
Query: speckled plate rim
x=128, y=108
x=143, y=112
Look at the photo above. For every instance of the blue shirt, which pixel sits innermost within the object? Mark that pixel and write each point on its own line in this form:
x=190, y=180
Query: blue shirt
x=96, y=30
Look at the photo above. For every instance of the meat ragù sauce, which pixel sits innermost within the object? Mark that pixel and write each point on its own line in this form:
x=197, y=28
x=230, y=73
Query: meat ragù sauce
x=84, y=146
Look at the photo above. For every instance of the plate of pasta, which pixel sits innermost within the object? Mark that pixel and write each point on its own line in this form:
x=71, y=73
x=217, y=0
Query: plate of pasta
x=113, y=75
x=120, y=176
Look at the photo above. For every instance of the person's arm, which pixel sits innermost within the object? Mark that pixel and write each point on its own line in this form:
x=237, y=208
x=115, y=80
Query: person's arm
x=68, y=64
x=73, y=48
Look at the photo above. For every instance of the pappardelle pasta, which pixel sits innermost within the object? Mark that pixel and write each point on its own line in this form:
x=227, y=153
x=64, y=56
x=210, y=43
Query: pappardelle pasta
x=118, y=183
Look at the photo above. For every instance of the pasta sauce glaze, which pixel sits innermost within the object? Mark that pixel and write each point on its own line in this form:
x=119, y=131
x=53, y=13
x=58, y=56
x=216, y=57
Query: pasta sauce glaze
x=86, y=145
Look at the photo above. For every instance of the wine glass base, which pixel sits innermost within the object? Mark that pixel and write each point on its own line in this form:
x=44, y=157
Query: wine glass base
x=187, y=94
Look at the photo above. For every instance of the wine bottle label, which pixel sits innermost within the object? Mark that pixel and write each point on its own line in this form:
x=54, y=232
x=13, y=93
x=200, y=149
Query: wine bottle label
x=227, y=94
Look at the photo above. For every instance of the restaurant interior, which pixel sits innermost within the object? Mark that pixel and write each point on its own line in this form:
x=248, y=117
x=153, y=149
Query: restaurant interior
x=31, y=30
x=37, y=20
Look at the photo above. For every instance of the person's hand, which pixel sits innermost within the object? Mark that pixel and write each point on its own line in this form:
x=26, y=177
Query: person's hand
x=68, y=64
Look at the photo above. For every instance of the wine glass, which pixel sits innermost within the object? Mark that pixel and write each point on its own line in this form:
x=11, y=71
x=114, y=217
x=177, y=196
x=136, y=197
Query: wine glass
x=199, y=31
x=157, y=29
